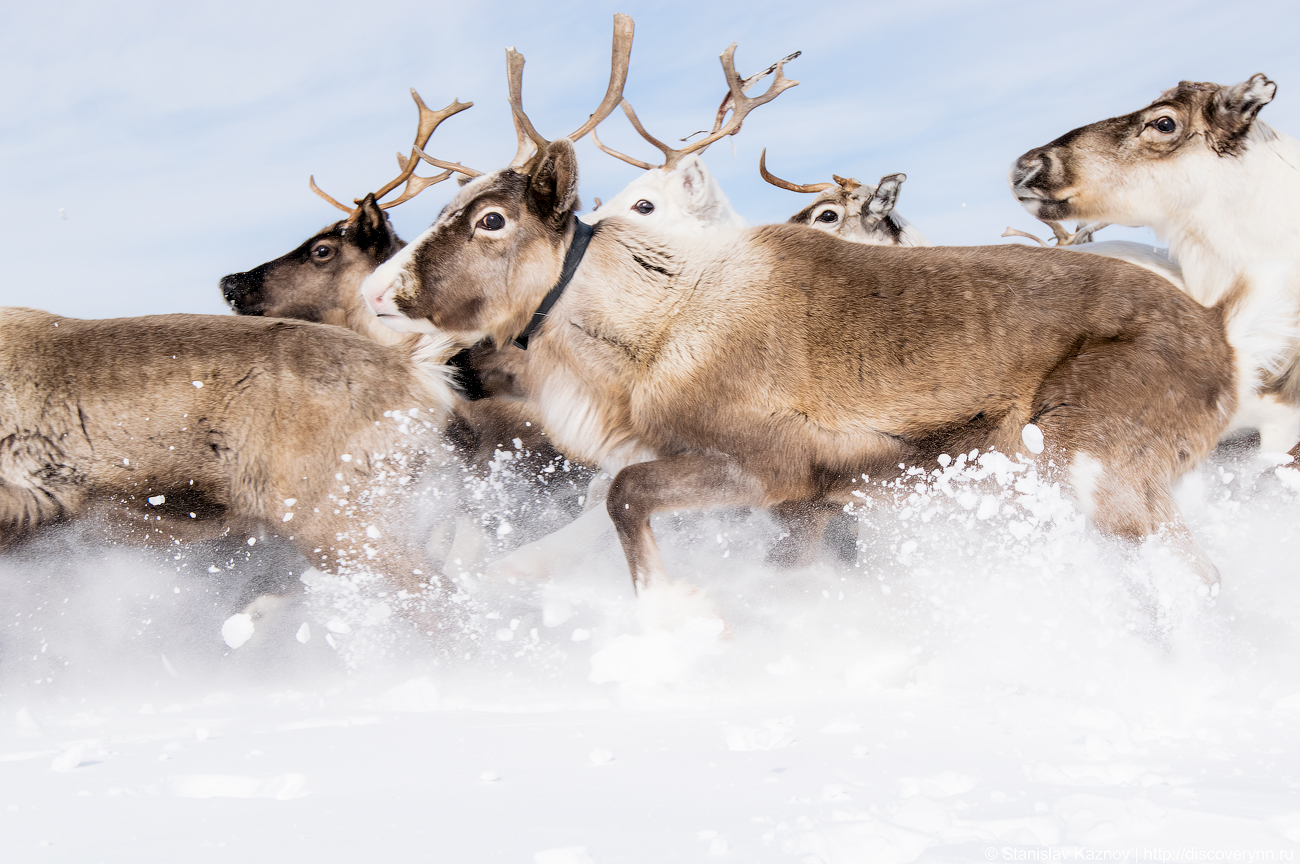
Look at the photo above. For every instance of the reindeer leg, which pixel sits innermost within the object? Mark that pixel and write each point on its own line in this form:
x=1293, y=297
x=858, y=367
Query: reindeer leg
x=694, y=481
x=804, y=524
x=1131, y=509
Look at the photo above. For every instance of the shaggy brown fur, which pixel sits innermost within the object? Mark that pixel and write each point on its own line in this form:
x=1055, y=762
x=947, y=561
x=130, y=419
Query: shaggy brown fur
x=320, y=281
x=776, y=367
x=196, y=424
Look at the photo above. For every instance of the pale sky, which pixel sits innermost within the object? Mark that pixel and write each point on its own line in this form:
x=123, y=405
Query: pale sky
x=147, y=149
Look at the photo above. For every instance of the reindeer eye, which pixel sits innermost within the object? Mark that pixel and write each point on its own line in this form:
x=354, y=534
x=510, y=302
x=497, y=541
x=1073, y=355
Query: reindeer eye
x=1164, y=124
x=828, y=216
x=644, y=207
x=323, y=252
x=492, y=222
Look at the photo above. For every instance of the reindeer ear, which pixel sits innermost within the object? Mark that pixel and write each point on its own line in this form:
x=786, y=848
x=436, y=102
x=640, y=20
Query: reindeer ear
x=1233, y=110
x=691, y=172
x=369, y=230
x=886, y=195
x=553, y=184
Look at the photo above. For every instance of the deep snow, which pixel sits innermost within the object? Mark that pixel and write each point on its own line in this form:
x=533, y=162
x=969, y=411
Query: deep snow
x=990, y=681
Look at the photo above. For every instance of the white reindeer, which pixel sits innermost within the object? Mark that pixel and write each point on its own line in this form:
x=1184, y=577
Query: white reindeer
x=681, y=194
x=1221, y=186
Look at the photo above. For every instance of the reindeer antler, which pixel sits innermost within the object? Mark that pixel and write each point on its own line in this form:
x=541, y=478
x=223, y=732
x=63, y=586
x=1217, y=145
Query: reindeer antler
x=1082, y=233
x=428, y=123
x=530, y=140
x=1016, y=232
x=728, y=100
x=794, y=187
x=735, y=101
x=610, y=151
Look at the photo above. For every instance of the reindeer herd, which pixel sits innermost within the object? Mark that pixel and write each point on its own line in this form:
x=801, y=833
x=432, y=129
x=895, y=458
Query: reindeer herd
x=688, y=360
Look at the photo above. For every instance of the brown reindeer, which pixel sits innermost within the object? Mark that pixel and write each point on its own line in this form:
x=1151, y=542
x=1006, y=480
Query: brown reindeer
x=320, y=281
x=782, y=368
x=194, y=426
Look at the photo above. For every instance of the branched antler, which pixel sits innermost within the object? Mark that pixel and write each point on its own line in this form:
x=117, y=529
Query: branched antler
x=1082, y=233
x=530, y=140
x=728, y=100
x=735, y=101
x=428, y=123
x=720, y=130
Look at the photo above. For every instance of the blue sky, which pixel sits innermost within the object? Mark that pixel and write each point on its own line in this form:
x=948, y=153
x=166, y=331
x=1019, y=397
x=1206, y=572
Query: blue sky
x=148, y=149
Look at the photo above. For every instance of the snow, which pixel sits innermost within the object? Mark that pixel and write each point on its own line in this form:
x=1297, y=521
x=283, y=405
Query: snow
x=989, y=681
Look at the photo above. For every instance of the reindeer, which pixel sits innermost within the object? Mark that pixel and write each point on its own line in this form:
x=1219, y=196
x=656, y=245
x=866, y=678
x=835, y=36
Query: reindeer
x=778, y=367
x=680, y=193
x=852, y=211
x=194, y=426
x=1183, y=166
x=320, y=280
x=865, y=214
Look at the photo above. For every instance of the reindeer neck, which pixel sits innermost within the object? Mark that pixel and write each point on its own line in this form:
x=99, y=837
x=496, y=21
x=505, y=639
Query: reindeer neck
x=1248, y=216
x=578, y=243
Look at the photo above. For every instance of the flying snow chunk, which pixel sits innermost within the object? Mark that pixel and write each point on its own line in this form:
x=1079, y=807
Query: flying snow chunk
x=567, y=855
x=197, y=384
x=1033, y=438
x=237, y=629
x=70, y=758
x=304, y=633
x=157, y=499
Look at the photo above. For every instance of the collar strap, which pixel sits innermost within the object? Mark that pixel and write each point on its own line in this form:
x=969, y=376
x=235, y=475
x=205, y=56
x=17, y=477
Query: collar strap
x=581, y=238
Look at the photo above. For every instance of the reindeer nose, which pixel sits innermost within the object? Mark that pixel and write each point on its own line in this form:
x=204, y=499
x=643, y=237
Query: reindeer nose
x=1026, y=168
x=236, y=289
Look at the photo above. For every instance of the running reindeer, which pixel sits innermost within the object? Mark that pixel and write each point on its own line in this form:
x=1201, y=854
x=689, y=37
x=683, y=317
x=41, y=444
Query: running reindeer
x=777, y=366
x=1183, y=165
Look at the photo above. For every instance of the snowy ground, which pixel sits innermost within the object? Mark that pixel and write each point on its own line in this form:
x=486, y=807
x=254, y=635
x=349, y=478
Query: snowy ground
x=990, y=682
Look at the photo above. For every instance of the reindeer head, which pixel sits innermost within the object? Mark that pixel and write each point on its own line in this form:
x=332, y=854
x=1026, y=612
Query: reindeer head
x=685, y=197
x=851, y=210
x=681, y=193
x=318, y=281
x=1120, y=170
x=496, y=249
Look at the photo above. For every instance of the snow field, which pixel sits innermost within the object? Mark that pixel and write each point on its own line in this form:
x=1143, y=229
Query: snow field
x=986, y=675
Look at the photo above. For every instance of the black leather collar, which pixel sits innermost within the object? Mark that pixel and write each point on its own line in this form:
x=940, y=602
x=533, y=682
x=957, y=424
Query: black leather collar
x=581, y=237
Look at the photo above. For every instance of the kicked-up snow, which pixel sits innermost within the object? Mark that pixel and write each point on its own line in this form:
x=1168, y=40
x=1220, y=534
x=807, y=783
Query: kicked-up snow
x=975, y=677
